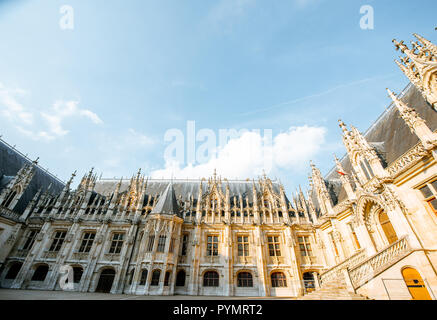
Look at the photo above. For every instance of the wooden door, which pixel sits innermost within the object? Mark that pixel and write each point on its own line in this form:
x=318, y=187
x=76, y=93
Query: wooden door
x=415, y=284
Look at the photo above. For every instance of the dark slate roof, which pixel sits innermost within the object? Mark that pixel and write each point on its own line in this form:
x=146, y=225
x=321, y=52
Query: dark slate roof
x=167, y=203
x=185, y=188
x=11, y=161
x=389, y=135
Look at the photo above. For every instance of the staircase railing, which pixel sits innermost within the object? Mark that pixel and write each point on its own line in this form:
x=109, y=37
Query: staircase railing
x=349, y=262
x=366, y=270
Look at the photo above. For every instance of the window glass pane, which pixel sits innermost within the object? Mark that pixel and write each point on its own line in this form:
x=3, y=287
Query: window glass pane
x=434, y=185
x=433, y=204
x=426, y=191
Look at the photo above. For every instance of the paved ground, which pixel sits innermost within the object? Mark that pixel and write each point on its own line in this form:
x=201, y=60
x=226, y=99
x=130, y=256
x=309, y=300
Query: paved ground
x=12, y=294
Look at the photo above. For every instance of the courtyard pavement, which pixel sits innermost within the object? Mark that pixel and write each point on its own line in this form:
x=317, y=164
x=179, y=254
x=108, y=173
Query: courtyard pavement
x=15, y=294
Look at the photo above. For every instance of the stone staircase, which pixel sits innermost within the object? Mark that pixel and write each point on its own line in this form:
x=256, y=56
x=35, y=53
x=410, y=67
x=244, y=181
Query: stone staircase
x=358, y=269
x=335, y=289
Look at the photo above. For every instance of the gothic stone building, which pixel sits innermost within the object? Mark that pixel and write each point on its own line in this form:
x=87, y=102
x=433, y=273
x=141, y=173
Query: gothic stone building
x=366, y=229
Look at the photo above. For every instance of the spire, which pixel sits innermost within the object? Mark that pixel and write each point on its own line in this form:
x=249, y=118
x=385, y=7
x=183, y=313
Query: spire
x=419, y=65
x=167, y=203
x=427, y=44
x=320, y=189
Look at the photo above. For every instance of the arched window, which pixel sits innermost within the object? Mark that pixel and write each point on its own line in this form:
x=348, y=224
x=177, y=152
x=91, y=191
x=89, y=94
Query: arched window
x=211, y=279
x=387, y=227
x=144, y=277
x=278, y=280
x=77, y=274
x=244, y=279
x=155, y=278
x=180, y=278
x=40, y=273
x=13, y=270
x=167, y=278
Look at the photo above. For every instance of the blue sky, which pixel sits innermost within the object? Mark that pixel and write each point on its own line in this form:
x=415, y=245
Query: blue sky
x=103, y=94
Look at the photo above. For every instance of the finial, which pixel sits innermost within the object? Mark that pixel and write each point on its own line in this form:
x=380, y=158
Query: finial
x=391, y=95
x=342, y=126
x=36, y=160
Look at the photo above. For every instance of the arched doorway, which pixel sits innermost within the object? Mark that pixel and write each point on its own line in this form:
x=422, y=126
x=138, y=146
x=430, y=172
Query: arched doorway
x=387, y=227
x=13, y=270
x=105, y=281
x=180, y=278
x=309, y=283
x=415, y=284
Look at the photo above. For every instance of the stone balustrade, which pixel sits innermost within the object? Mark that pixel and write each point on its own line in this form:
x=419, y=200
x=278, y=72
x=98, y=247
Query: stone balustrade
x=9, y=214
x=366, y=270
x=337, y=269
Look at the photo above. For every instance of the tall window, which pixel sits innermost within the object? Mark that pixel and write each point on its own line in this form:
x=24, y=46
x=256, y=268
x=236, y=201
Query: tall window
x=161, y=244
x=429, y=192
x=143, y=277
x=30, y=239
x=334, y=245
x=212, y=246
x=354, y=236
x=155, y=278
x=117, y=243
x=58, y=240
x=278, y=280
x=274, y=246
x=150, y=243
x=367, y=169
x=211, y=279
x=305, y=246
x=87, y=242
x=243, y=246
x=171, y=247
x=167, y=278
x=9, y=198
x=244, y=279
x=184, y=244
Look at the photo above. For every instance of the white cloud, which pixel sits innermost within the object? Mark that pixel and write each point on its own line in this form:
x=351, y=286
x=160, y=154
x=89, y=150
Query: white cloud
x=24, y=119
x=249, y=155
x=10, y=108
x=64, y=109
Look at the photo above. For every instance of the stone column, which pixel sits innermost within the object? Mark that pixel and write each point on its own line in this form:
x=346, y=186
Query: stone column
x=264, y=288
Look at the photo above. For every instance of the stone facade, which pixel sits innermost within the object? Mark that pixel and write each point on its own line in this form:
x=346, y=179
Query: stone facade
x=367, y=227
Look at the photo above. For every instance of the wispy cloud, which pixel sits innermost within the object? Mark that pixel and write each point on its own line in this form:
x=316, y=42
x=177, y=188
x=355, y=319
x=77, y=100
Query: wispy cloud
x=11, y=108
x=50, y=124
x=65, y=109
x=315, y=95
